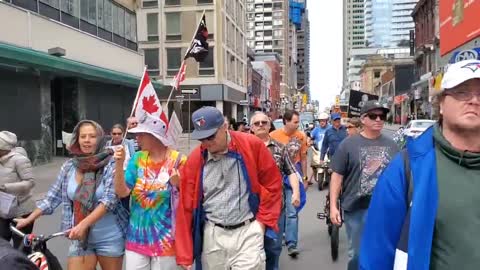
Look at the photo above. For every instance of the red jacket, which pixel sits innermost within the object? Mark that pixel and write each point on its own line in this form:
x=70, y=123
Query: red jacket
x=265, y=199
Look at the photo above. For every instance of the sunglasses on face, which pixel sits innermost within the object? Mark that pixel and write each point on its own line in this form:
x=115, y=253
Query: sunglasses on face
x=374, y=116
x=462, y=94
x=258, y=123
x=209, y=138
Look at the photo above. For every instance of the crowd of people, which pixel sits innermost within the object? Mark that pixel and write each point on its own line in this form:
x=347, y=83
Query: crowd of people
x=232, y=201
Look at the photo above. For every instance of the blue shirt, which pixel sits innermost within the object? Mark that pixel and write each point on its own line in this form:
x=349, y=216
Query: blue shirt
x=318, y=134
x=333, y=137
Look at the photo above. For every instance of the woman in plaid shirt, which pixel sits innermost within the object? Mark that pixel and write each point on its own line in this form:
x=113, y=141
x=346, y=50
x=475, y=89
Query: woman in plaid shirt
x=92, y=214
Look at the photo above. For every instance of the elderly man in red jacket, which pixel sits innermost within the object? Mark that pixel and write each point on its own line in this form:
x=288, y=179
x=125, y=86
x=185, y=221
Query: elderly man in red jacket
x=230, y=196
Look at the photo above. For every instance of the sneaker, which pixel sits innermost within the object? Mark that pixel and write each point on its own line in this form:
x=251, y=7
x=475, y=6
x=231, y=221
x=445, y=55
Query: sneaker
x=293, y=252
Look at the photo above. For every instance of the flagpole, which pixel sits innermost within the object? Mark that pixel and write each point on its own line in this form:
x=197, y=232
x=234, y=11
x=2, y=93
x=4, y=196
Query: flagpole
x=137, y=96
x=186, y=53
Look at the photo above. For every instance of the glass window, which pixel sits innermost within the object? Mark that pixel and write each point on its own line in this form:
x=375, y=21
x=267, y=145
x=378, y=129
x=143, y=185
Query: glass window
x=116, y=26
x=149, y=4
x=133, y=26
x=128, y=28
x=121, y=22
x=174, y=60
x=152, y=26
x=71, y=7
x=173, y=26
x=92, y=11
x=204, y=1
x=52, y=3
x=152, y=61
x=172, y=2
x=108, y=11
x=100, y=14
x=207, y=67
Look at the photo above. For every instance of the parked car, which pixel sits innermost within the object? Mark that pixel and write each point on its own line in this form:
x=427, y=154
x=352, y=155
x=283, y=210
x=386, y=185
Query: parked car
x=416, y=127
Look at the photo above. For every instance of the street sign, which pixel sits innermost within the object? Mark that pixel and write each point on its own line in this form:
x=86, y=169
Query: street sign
x=244, y=102
x=179, y=97
x=190, y=91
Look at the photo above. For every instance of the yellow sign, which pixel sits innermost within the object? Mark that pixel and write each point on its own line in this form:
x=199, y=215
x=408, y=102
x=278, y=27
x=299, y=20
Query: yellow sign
x=337, y=99
x=305, y=99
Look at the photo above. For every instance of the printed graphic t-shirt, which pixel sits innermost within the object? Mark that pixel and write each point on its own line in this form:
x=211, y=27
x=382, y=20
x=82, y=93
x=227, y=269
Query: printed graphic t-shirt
x=361, y=161
x=151, y=215
x=296, y=144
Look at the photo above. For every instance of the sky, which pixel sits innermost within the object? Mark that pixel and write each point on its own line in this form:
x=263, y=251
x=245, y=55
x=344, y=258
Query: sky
x=326, y=45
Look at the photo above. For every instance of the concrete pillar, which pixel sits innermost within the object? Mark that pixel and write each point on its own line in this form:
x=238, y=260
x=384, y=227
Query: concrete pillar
x=234, y=110
x=219, y=105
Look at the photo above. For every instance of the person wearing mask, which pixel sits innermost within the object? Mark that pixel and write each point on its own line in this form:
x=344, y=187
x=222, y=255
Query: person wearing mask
x=16, y=178
x=261, y=125
x=151, y=180
x=91, y=212
x=231, y=196
x=295, y=142
x=333, y=137
x=430, y=192
x=354, y=126
x=356, y=165
x=117, y=134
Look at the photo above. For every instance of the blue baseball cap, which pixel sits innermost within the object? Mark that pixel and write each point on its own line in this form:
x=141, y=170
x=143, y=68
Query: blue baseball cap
x=206, y=121
x=335, y=116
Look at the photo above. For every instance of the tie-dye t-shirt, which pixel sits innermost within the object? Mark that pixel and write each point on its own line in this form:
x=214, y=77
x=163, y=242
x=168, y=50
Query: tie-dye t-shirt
x=150, y=228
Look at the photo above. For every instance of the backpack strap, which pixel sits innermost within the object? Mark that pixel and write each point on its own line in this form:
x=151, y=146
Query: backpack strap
x=408, y=176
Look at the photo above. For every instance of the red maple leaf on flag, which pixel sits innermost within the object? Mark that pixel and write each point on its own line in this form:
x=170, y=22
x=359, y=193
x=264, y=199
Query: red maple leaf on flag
x=149, y=104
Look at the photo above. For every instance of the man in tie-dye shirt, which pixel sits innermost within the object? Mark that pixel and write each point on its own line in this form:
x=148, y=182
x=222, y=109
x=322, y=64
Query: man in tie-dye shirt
x=151, y=180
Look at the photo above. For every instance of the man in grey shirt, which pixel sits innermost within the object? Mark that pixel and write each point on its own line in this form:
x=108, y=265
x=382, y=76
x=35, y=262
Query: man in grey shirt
x=356, y=165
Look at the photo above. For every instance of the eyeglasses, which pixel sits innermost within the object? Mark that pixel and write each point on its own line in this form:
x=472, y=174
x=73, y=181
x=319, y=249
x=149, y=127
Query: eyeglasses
x=209, y=138
x=263, y=123
x=116, y=134
x=374, y=116
x=462, y=94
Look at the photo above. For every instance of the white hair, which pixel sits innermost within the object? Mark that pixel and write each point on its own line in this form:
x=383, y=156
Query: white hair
x=257, y=113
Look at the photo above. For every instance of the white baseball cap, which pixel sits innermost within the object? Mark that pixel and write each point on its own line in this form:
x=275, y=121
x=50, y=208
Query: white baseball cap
x=461, y=72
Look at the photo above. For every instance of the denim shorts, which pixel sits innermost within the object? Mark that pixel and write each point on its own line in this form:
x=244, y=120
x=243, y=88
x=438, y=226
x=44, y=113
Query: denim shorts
x=109, y=248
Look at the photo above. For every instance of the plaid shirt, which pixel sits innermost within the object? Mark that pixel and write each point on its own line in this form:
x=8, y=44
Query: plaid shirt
x=279, y=153
x=57, y=194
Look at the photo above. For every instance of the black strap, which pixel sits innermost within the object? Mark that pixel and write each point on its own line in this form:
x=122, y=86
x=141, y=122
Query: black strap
x=408, y=176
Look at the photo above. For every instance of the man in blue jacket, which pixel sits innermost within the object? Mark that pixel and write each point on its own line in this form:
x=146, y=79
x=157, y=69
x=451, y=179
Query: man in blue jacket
x=333, y=137
x=435, y=226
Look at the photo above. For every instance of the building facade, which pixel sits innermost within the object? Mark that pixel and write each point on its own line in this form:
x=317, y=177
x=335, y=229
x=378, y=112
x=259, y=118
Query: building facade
x=268, y=31
x=62, y=61
x=388, y=23
x=353, y=30
x=275, y=102
x=165, y=30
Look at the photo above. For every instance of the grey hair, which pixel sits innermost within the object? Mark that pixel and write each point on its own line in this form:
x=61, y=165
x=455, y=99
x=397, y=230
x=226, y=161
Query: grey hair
x=256, y=114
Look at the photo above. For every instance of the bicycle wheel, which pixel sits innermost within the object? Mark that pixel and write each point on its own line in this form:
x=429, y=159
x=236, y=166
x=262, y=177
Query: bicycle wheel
x=334, y=238
x=330, y=229
x=320, y=181
x=53, y=263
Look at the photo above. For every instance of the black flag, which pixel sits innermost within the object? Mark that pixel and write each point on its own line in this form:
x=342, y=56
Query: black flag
x=199, y=47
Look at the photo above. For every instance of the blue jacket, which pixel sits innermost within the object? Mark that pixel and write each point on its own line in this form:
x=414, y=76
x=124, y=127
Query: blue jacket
x=332, y=140
x=318, y=134
x=388, y=209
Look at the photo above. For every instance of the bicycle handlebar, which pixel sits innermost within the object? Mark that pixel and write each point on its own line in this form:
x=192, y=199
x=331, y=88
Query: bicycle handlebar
x=34, y=237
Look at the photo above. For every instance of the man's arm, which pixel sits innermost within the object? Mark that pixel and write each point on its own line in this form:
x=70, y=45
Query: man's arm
x=335, y=188
x=270, y=181
x=303, y=156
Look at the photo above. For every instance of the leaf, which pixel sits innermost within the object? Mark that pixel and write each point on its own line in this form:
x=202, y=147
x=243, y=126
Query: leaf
x=149, y=104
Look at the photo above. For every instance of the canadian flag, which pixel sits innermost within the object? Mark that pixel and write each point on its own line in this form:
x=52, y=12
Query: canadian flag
x=147, y=101
x=180, y=77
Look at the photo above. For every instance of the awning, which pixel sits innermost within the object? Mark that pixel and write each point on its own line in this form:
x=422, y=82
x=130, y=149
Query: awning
x=10, y=54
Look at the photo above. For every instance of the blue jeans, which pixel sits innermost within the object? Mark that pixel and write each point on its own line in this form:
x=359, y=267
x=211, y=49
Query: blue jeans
x=291, y=220
x=273, y=247
x=354, y=222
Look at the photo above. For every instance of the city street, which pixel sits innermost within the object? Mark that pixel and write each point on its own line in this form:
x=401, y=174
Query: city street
x=314, y=240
